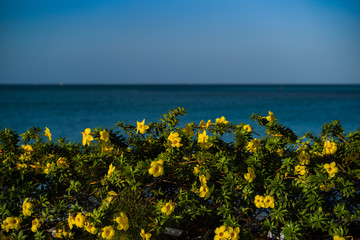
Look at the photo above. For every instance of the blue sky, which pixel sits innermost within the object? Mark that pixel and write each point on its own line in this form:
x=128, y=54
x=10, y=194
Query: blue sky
x=179, y=41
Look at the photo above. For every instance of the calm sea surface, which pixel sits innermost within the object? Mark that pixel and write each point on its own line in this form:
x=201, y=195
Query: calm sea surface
x=67, y=110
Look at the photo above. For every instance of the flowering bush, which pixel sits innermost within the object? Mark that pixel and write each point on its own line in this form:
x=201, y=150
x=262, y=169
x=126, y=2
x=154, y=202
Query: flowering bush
x=216, y=179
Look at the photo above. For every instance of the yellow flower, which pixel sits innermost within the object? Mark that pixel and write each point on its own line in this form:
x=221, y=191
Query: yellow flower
x=337, y=237
x=48, y=167
x=80, y=220
x=71, y=220
x=111, y=170
x=331, y=169
x=304, y=158
x=90, y=228
x=250, y=176
x=141, y=127
x=247, y=128
x=234, y=233
x=11, y=223
x=27, y=148
x=280, y=152
x=87, y=138
x=47, y=133
x=253, y=145
x=196, y=170
x=203, y=125
x=327, y=187
x=61, y=162
x=203, y=140
x=6, y=224
x=174, y=139
x=221, y=233
x=123, y=222
x=35, y=225
x=208, y=124
x=111, y=195
x=26, y=207
x=329, y=148
x=36, y=167
x=300, y=170
x=204, y=191
x=353, y=156
x=271, y=117
x=3, y=237
x=221, y=120
x=144, y=235
x=168, y=208
x=104, y=135
x=269, y=202
x=60, y=233
x=108, y=232
x=156, y=168
x=105, y=147
x=259, y=201
x=203, y=179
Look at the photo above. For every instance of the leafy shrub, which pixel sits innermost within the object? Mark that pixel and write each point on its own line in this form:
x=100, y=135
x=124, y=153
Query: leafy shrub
x=226, y=179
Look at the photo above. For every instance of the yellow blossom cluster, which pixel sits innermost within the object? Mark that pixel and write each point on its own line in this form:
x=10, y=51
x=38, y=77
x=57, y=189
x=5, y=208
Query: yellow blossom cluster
x=204, y=189
x=253, y=145
x=304, y=158
x=264, y=202
x=11, y=223
x=49, y=166
x=175, y=139
x=156, y=168
x=61, y=232
x=275, y=157
x=221, y=120
x=250, y=175
x=28, y=149
x=226, y=233
x=144, y=235
x=301, y=170
x=80, y=221
x=26, y=207
x=62, y=162
x=203, y=125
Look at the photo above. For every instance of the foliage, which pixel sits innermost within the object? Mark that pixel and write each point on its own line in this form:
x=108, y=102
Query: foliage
x=132, y=181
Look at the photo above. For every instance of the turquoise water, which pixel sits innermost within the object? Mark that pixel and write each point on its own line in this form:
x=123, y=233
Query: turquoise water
x=67, y=110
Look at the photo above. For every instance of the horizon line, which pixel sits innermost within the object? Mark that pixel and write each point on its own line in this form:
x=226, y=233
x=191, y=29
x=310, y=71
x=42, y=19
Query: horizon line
x=182, y=84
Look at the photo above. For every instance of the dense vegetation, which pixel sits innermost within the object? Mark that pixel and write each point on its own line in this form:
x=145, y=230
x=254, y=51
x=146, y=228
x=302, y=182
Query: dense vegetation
x=217, y=180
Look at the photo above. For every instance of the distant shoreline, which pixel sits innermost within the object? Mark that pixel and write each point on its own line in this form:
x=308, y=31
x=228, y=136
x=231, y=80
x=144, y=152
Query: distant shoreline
x=183, y=84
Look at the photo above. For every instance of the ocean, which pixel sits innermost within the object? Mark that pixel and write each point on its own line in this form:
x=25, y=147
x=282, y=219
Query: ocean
x=68, y=109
